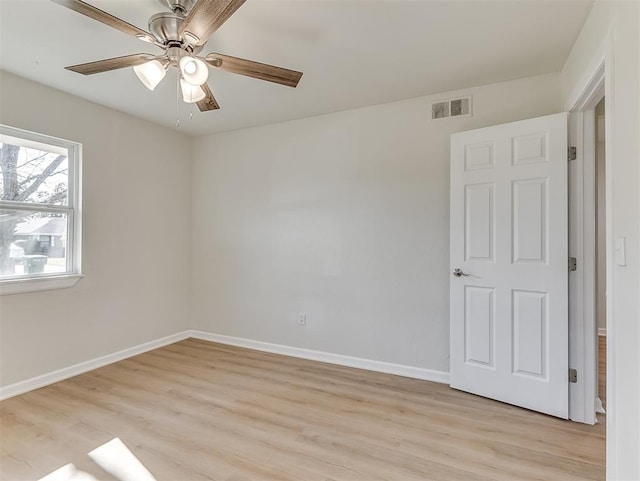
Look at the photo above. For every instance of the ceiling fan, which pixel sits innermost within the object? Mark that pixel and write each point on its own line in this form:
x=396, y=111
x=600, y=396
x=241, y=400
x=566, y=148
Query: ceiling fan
x=181, y=33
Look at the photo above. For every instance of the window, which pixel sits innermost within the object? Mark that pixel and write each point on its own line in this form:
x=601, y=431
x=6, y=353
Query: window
x=39, y=211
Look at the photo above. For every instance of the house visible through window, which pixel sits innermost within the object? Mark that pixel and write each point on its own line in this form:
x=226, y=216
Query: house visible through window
x=39, y=206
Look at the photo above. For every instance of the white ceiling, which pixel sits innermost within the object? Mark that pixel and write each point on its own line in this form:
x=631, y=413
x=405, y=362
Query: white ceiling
x=353, y=53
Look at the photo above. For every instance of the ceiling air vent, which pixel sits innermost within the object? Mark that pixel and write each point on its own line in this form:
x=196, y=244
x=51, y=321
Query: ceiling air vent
x=451, y=108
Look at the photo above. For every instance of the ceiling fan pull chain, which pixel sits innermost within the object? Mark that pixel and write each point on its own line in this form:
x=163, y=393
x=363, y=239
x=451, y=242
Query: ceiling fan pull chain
x=177, y=100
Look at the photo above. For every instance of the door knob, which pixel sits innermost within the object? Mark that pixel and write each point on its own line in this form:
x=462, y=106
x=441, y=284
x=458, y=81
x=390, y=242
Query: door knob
x=459, y=273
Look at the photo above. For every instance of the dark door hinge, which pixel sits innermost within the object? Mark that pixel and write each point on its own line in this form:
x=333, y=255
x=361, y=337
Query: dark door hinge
x=573, y=264
x=572, y=153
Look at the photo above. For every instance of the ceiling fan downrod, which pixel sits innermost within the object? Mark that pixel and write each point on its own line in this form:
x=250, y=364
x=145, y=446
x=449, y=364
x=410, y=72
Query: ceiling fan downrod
x=181, y=7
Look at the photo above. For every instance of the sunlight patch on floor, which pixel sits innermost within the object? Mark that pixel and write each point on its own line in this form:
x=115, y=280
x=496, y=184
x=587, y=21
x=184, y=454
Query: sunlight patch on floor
x=68, y=473
x=114, y=457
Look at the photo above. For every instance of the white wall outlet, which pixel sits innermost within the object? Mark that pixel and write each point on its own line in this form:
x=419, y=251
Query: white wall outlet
x=302, y=319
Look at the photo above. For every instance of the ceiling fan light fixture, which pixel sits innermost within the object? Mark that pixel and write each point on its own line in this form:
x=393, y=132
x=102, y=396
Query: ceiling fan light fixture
x=191, y=93
x=181, y=33
x=150, y=73
x=194, y=71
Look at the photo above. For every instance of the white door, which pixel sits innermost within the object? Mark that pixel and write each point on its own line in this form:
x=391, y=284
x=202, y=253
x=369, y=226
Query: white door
x=509, y=301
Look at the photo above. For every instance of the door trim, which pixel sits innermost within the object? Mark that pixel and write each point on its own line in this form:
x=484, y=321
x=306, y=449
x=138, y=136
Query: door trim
x=603, y=60
x=582, y=245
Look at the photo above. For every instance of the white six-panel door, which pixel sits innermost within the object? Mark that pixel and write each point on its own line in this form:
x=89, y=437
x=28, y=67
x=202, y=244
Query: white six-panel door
x=509, y=303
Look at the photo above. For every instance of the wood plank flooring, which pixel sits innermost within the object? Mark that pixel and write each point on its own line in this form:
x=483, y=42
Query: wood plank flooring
x=197, y=411
x=602, y=370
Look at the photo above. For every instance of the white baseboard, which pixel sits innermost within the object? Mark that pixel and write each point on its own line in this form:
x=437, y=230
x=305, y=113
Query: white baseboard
x=80, y=368
x=339, y=359
x=349, y=361
x=602, y=331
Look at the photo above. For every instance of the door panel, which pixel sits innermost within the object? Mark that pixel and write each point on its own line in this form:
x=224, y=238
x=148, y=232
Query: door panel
x=529, y=333
x=479, y=215
x=479, y=326
x=509, y=317
x=530, y=228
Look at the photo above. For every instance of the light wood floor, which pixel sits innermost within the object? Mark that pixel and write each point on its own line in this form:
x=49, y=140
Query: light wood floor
x=202, y=411
x=602, y=369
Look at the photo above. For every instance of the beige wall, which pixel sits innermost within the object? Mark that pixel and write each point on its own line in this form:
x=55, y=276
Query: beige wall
x=136, y=220
x=344, y=217
x=612, y=30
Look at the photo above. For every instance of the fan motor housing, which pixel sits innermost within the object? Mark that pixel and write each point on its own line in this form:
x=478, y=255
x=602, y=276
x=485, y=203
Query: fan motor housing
x=165, y=26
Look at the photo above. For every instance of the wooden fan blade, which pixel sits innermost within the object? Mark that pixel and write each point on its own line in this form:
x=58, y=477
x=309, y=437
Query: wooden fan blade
x=207, y=16
x=103, y=17
x=258, y=70
x=209, y=102
x=111, y=64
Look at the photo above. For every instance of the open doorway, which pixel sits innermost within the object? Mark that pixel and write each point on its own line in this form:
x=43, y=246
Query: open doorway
x=585, y=190
x=601, y=254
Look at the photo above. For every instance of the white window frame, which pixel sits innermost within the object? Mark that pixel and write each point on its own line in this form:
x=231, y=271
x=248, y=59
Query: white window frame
x=47, y=281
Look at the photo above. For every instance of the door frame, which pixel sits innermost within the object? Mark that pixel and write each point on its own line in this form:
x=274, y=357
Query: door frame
x=582, y=246
x=583, y=334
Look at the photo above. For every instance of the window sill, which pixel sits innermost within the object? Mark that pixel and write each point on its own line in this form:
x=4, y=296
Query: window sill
x=18, y=286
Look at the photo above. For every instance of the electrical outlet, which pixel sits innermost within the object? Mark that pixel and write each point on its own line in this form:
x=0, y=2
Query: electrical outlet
x=302, y=319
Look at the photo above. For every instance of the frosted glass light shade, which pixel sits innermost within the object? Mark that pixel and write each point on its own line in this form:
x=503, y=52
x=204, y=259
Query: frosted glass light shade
x=150, y=73
x=191, y=93
x=194, y=70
